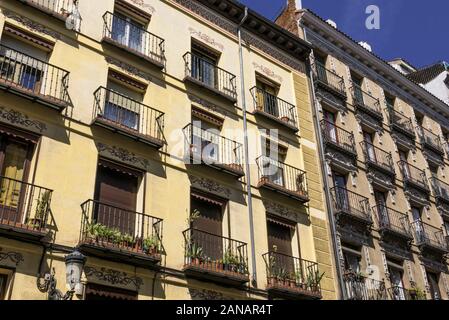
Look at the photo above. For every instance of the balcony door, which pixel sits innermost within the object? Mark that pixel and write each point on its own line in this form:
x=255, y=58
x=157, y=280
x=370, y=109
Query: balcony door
x=341, y=193
x=396, y=276
x=122, y=106
x=206, y=141
x=280, y=236
x=433, y=284
x=331, y=128
x=15, y=157
x=405, y=167
x=207, y=227
x=381, y=203
x=419, y=228
x=204, y=66
x=267, y=97
x=370, y=151
x=128, y=32
x=116, y=196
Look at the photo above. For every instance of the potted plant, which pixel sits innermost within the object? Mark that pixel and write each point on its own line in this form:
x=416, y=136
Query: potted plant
x=42, y=207
x=150, y=245
x=195, y=253
x=417, y=294
x=314, y=279
x=285, y=119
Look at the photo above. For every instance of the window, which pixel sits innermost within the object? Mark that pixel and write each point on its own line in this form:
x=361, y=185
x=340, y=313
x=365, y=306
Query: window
x=357, y=87
x=330, y=126
x=396, y=278
x=204, y=64
x=433, y=279
x=369, y=145
x=267, y=93
x=433, y=170
x=128, y=32
x=390, y=100
x=419, y=119
x=352, y=258
x=3, y=286
x=206, y=136
x=274, y=157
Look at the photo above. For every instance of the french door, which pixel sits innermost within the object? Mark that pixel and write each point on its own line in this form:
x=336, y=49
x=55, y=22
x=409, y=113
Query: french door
x=341, y=194
x=397, y=284
x=128, y=32
x=331, y=129
x=370, y=151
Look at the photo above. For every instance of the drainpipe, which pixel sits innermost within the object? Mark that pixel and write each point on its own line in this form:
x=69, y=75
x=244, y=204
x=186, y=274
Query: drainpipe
x=245, y=143
x=331, y=217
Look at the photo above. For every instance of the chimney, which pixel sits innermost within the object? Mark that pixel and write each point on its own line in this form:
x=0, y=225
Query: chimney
x=294, y=4
x=332, y=23
x=298, y=4
x=366, y=45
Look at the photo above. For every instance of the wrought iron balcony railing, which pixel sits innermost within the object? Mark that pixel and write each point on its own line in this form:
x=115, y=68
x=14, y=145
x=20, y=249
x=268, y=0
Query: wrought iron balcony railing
x=282, y=178
x=24, y=207
x=292, y=275
x=134, y=38
x=215, y=256
x=440, y=189
x=400, y=293
x=210, y=148
x=33, y=78
x=208, y=75
x=366, y=102
x=400, y=122
x=120, y=113
x=377, y=157
x=349, y=203
x=430, y=236
x=338, y=137
x=359, y=287
x=60, y=8
x=431, y=140
x=413, y=175
x=329, y=78
x=274, y=107
x=114, y=229
x=393, y=221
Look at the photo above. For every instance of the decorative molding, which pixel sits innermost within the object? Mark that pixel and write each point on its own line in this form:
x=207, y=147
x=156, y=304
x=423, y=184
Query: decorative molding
x=17, y=118
x=129, y=69
x=206, y=38
x=208, y=105
x=281, y=210
x=203, y=294
x=267, y=71
x=122, y=155
x=142, y=4
x=210, y=186
x=113, y=277
x=31, y=25
x=14, y=257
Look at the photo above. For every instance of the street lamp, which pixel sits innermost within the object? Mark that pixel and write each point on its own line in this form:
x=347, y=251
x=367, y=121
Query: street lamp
x=74, y=264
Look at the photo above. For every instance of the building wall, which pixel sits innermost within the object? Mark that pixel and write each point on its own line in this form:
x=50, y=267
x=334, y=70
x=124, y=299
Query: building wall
x=68, y=151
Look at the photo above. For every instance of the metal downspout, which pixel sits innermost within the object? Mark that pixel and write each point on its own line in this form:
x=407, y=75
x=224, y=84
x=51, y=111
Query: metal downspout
x=247, y=167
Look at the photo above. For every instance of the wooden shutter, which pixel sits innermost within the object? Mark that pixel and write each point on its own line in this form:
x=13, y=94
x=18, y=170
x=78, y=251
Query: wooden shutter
x=116, y=193
x=280, y=235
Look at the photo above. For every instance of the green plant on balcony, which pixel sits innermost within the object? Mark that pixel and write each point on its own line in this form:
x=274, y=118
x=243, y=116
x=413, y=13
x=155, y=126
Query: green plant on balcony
x=313, y=280
x=151, y=244
x=234, y=262
x=417, y=294
x=43, y=204
x=101, y=232
x=195, y=253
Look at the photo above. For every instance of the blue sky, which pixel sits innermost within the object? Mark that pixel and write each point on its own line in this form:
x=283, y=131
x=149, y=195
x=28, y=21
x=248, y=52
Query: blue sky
x=409, y=29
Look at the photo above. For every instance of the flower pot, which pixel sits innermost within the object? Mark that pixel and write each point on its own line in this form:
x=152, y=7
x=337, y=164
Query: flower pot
x=285, y=119
x=36, y=223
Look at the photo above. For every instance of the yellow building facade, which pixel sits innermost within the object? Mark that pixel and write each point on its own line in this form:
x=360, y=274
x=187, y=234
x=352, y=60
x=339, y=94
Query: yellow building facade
x=122, y=136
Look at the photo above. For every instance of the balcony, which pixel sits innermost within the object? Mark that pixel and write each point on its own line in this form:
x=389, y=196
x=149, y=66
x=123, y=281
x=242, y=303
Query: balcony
x=440, y=190
x=292, y=278
x=128, y=117
x=215, y=258
x=431, y=140
x=352, y=206
x=120, y=235
x=60, y=9
x=33, y=79
x=282, y=178
x=366, y=103
x=359, y=287
x=429, y=238
x=393, y=223
x=209, y=148
x=329, y=80
x=378, y=159
x=401, y=294
x=134, y=39
x=414, y=177
x=274, y=108
x=338, y=138
x=402, y=128
x=24, y=210
x=201, y=72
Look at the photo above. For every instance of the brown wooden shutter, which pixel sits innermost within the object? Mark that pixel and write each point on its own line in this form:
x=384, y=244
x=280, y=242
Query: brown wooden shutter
x=116, y=193
x=279, y=235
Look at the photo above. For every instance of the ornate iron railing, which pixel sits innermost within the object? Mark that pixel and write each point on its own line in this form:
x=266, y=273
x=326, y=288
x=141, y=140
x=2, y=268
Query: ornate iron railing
x=378, y=157
x=440, y=189
x=338, y=136
x=275, y=107
x=431, y=236
x=135, y=118
x=62, y=8
x=24, y=205
x=207, y=251
x=206, y=146
x=283, y=176
x=400, y=121
x=348, y=202
x=210, y=75
x=430, y=139
x=134, y=38
x=400, y=293
x=359, y=287
x=414, y=175
x=292, y=273
x=329, y=78
x=32, y=76
x=366, y=101
x=393, y=220
x=109, y=226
